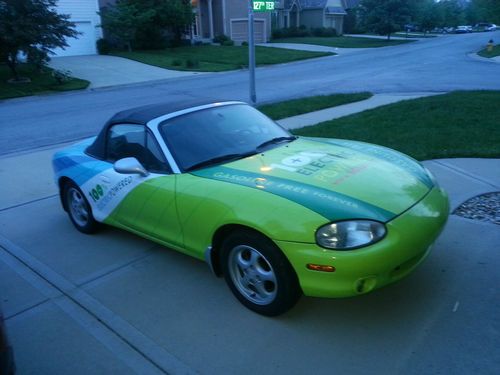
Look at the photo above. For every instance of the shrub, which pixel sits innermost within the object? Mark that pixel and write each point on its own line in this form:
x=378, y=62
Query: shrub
x=61, y=76
x=192, y=63
x=244, y=43
x=177, y=62
x=228, y=43
x=324, y=31
x=103, y=46
x=221, y=39
x=291, y=32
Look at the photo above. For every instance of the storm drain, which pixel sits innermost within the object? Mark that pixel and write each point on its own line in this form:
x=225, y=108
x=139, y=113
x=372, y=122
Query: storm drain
x=484, y=207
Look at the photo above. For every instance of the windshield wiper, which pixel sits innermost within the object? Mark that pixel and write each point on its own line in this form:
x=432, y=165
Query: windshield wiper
x=276, y=140
x=218, y=159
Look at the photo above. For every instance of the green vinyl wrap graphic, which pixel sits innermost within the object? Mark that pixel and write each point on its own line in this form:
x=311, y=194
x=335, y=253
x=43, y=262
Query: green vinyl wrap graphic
x=287, y=193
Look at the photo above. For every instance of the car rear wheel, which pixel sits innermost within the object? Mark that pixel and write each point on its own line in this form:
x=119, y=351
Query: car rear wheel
x=79, y=209
x=258, y=274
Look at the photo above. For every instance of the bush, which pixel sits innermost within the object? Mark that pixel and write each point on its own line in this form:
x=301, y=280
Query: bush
x=221, y=39
x=228, y=43
x=103, y=46
x=192, y=63
x=324, y=31
x=291, y=32
x=177, y=62
x=61, y=76
x=244, y=43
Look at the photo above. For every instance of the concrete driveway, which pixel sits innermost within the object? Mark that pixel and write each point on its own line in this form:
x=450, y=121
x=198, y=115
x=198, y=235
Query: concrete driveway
x=113, y=303
x=103, y=70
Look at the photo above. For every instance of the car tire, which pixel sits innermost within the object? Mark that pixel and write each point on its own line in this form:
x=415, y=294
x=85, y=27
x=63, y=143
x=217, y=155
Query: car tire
x=79, y=209
x=258, y=273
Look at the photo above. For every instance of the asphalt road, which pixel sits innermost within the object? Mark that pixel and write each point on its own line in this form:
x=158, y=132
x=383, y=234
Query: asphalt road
x=437, y=64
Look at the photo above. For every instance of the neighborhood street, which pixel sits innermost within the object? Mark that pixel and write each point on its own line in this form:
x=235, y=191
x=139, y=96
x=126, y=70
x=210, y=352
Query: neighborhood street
x=115, y=303
x=437, y=64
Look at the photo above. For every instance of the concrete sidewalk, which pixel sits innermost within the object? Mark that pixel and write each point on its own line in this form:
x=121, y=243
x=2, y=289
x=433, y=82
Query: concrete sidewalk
x=313, y=48
x=376, y=100
x=105, y=70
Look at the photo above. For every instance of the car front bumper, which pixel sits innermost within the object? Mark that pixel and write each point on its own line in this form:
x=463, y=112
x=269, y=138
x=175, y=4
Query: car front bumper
x=407, y=243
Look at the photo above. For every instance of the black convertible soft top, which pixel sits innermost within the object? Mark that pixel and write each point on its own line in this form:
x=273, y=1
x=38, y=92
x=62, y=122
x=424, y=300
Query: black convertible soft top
x=141, y=115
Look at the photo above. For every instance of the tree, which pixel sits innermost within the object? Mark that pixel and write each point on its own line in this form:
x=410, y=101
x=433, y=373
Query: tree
x=175, y=16
x=452, y=12
x=384, y=16
x=145, y=23
x=124, y=19
x=32, y=27
x=486, y=10
x=427, y=14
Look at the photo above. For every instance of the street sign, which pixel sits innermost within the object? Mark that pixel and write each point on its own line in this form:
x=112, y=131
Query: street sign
x=263, y=6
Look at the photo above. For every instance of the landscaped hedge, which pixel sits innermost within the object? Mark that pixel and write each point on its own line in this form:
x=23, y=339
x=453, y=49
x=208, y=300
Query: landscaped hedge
x=302, y=31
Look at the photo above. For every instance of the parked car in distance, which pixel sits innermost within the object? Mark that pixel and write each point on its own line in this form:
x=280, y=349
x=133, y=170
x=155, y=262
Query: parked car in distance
x=463, y=29
x=482, y=26
x=277, y=215
x=410, y=27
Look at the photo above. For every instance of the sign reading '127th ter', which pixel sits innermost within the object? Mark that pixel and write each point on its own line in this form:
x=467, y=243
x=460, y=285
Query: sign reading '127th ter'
x=262, y=6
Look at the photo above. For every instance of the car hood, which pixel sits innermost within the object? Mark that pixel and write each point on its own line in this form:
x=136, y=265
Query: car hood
x=338, y=179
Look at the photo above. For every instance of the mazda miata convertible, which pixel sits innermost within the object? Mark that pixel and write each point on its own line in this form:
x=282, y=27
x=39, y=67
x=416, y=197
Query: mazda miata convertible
x=277, y=215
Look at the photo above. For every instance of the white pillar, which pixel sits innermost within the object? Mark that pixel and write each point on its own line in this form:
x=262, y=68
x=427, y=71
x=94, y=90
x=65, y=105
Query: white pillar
x=224, y=27
x=211, y=19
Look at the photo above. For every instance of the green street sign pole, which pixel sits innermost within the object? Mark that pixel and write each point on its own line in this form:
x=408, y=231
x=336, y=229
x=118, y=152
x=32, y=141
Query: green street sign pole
x=251, y=53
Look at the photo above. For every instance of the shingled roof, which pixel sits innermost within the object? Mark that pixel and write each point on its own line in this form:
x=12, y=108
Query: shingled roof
x=331, y=6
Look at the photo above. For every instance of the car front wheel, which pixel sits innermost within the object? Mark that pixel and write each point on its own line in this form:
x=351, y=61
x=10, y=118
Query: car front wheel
x=79, y=210
x=258, y=274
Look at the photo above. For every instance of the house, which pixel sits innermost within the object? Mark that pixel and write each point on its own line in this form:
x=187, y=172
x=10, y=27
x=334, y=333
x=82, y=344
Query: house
x=223, y=17
x=313, y=13
x=84, y=14
x=228, y=17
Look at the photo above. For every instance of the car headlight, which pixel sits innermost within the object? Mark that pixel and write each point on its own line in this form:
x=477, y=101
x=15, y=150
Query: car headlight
x=345, y=235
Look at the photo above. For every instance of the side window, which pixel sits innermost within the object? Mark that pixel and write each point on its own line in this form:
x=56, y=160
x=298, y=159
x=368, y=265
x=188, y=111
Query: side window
x=135, y=141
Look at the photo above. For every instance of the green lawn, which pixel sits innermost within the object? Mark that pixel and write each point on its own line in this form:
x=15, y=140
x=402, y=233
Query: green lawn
x=343, y=41
x=458, y=124
x=314, y=103
x=494, y=53
x=40, y=83
x=208, y=58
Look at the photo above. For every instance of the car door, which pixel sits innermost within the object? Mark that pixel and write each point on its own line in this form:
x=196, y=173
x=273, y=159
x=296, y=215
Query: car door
x=143, y=203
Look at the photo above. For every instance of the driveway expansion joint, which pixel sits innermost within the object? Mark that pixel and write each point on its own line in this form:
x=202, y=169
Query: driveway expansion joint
x=133, y=348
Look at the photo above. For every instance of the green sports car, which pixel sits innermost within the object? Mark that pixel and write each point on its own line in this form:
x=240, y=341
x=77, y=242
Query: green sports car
x=275, y=214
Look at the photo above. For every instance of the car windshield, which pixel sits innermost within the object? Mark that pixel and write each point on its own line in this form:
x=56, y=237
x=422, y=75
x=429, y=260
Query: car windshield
x=220, y=133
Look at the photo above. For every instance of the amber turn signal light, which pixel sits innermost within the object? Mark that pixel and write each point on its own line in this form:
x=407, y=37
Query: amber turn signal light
x=319, y=267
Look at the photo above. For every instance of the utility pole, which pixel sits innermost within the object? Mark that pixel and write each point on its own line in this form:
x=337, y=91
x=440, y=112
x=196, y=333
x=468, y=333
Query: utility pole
x=251, y=53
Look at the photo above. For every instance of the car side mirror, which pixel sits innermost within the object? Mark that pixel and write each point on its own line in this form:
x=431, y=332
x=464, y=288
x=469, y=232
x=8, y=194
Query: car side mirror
x=130, y=166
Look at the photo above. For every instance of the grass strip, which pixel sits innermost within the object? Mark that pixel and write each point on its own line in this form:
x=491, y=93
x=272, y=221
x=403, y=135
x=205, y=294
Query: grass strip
x=41, y=83
x=458, y=124
x=296, y=107
x=208, y=58
x=344, y=41
x=494, y=52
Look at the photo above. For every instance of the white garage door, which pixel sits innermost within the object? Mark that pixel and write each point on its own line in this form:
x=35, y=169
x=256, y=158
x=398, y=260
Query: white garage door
x=83, y=45
x=239, y=30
